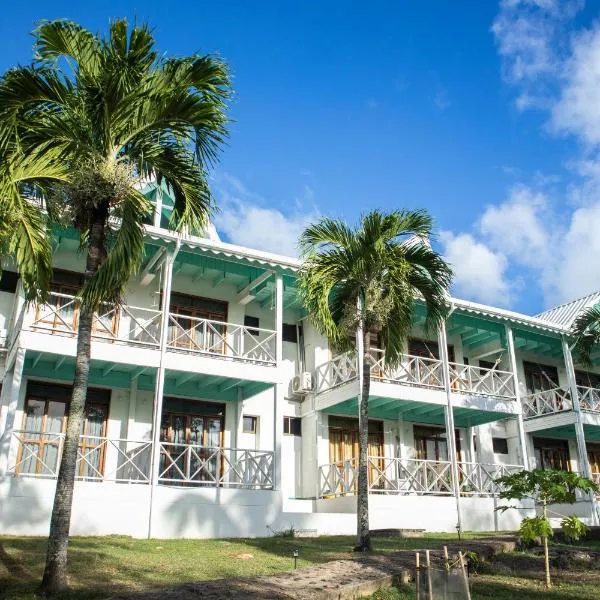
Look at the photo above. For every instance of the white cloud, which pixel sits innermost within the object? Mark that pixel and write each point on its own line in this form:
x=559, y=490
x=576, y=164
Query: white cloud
x=575, y=269
x=245, y=220
x=518, y=227
x=480, y=273
x=530, y=39
x=578, y=109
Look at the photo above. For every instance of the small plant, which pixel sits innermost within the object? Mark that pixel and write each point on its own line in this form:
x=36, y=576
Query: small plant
x=573, y=529
x=534, y=529
x=474, y=561
x=543, y=487
x=290, y=532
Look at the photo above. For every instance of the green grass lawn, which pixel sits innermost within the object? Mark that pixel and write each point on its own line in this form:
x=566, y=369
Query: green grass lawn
x=102, y=565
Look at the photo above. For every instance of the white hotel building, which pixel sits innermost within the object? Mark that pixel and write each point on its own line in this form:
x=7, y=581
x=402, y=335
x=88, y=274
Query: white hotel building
x=216, y=410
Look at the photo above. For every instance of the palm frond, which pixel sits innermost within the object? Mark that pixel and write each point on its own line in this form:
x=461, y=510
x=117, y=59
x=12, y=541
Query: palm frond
x=586, y=331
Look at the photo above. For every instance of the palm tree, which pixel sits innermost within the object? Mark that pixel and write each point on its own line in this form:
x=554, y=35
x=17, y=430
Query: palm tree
x=354, y=281
x=586, y=331
x=114, y=113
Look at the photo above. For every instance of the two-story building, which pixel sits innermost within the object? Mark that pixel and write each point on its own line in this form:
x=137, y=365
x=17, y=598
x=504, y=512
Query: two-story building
x=216, y=410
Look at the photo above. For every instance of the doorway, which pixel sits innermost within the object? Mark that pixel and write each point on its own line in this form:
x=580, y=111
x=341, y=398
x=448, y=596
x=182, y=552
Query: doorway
x=192, y=436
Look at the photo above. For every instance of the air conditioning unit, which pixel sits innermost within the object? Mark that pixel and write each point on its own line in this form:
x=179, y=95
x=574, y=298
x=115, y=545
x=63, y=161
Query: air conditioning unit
x=302, y=384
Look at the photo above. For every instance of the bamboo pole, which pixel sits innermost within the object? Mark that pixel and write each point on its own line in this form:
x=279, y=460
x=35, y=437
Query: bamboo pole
x=447, y=571
x=429, y=583
x=464, y=574
x=417, y=574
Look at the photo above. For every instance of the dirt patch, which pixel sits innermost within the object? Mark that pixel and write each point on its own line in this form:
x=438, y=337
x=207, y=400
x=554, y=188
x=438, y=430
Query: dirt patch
x=333, y=580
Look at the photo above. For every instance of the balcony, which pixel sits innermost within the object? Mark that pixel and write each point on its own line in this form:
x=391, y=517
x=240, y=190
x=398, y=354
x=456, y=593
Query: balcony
x=557, y=400
x=417, y=371
x=407, y=476
x=98, y=459
x=589, y=398
x=102, y=459
x=120, y=324
x=189, y=464
x=412, y=371
x=219, y=339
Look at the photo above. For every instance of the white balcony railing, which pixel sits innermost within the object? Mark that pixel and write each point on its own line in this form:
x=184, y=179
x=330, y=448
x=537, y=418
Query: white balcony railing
x=205, y=336
x=340, y=370
x=408, y=476
x=186, y=464
x=417, y=371
x=589, y=398
x=412, y=370
x=113, y=323
x=98, y=458
x=546, y=402
x=468, y=379
x=480, y=478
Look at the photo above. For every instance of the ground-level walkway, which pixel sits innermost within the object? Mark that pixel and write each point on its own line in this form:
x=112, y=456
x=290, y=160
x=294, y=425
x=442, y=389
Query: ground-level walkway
x=340, y=579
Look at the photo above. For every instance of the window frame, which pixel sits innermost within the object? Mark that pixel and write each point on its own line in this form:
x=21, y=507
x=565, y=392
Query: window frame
x=291, y=431
x=503, y=442
x=254, y=418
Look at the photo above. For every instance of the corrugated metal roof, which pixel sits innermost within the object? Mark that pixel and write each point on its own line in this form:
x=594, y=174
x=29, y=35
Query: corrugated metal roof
x=502, y=314
x=565, y=314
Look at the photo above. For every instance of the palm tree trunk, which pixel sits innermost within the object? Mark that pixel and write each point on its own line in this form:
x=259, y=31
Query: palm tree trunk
x=362, y=508
x=55, y=572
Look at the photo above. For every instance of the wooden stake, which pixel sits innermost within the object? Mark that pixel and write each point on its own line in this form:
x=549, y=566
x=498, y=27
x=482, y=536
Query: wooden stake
x=447, y=571
x=429, y=584
x=464, y=574
x=417, y=574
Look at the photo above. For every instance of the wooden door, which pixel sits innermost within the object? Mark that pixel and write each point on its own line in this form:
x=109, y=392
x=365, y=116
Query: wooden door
x=540, y=378
x=344, y=446
x=192, y=332
x=593, y=452
x=552, y=454
x=192, y=452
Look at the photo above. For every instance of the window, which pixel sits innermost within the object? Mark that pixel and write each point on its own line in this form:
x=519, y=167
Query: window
x=500, y=445
x=251, y=322
x=292, y=426
x=289, y=333
x=8, y=282
x=250, y=424
x=539, y=378
x=187, y=327
x=44, y=422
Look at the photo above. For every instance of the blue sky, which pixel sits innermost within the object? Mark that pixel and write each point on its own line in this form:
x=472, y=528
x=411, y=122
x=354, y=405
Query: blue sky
x=486, y=113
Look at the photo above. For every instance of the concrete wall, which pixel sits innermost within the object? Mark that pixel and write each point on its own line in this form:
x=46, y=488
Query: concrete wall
x=109, y=508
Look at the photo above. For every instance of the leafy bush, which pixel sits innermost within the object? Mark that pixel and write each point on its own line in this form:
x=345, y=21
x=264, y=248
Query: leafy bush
x=573, y=529
x=534, y=529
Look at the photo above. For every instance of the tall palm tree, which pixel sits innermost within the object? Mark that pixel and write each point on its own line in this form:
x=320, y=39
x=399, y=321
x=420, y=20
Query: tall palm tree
x=354, y=281
x=586, y=331
x=114, y=113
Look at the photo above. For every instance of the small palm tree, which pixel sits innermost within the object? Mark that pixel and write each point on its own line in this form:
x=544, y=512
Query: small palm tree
x=586, y=331
x=354, y=281
x=110, y=113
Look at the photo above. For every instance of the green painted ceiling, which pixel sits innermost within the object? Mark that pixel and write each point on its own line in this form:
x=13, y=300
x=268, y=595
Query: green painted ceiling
x=417, y=412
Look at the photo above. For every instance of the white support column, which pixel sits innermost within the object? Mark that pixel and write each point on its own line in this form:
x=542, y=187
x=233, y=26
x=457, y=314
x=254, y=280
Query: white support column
x=160, y=376
x=13, y=383
x=133, y=389
x=278, y=390
x=443, y=345
x=510, y=342
x=584, y=465
x=278, y=319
